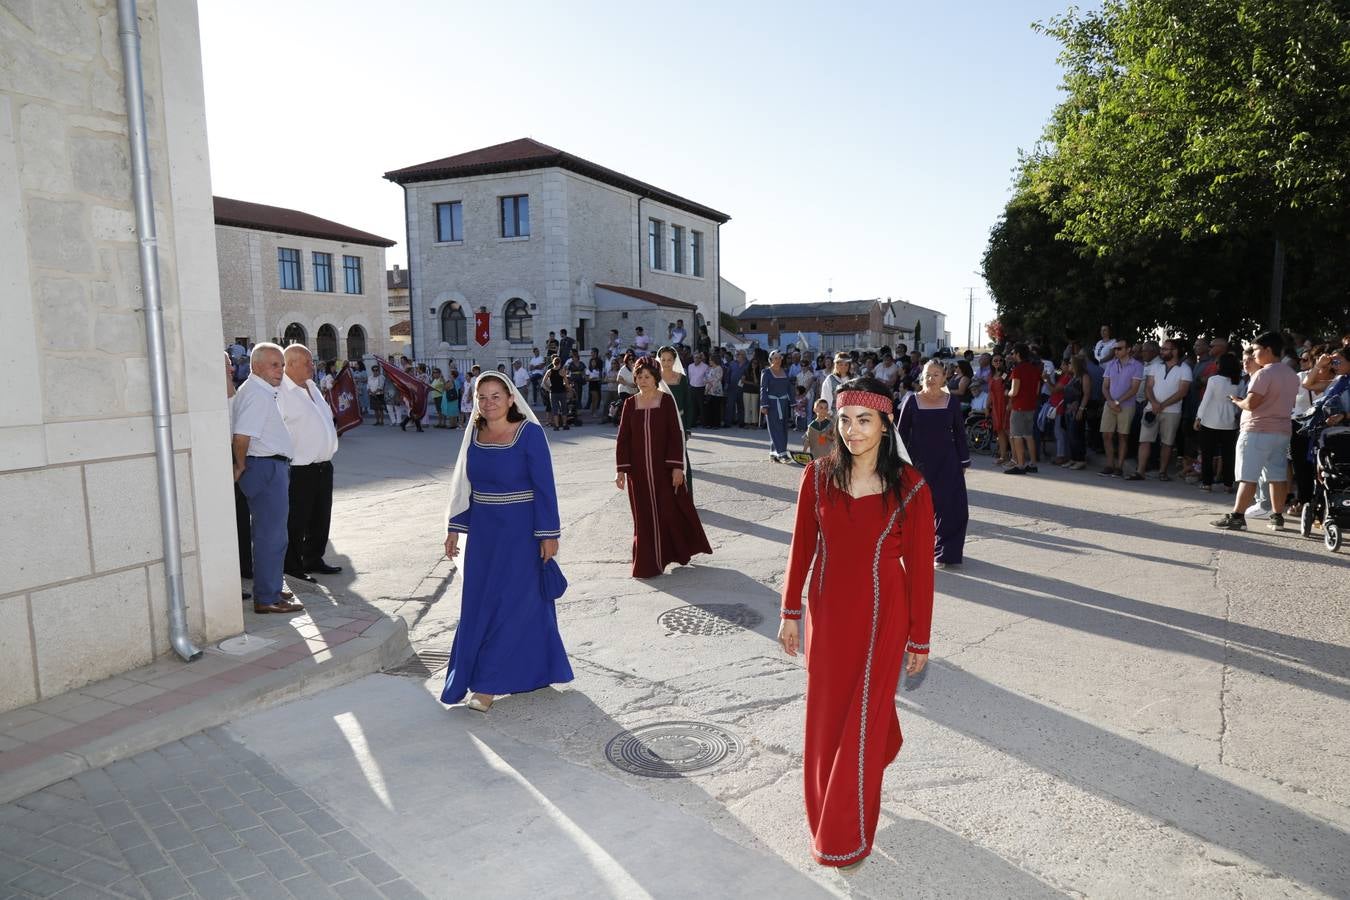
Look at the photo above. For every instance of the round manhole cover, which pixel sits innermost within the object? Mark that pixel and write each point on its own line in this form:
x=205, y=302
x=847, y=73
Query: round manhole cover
x=672, y=749
x=710, y=620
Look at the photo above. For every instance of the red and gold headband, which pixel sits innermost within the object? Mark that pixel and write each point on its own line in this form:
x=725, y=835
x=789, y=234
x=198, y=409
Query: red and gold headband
x=865, y=398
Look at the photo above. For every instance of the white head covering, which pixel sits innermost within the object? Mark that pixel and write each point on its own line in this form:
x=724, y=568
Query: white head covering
x=460, y=489
x=678, y=367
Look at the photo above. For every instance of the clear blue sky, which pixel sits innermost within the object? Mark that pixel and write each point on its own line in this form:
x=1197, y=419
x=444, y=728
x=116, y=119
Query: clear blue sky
x=868, y=146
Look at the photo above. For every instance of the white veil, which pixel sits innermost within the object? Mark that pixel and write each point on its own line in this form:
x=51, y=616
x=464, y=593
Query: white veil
x=678, y=367
x=460, y=489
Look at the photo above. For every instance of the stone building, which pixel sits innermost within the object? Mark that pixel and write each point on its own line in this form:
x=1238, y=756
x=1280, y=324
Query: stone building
x=527, y=233
x=400, y=328
x=82, y=588
x=294, y=278
x=842, y=325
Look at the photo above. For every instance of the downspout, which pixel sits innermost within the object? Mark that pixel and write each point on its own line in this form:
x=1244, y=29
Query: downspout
x=639, y=240
x=718, y=233
x=412, y=315
x=128, y=33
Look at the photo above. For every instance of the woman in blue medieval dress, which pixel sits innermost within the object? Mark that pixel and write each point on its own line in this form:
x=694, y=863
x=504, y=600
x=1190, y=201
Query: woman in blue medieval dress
x=933, y=428
x=503, y=499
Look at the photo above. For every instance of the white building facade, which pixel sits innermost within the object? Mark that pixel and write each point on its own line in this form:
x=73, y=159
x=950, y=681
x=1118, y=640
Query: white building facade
x=525, y=233
x=82, y=587
x=294, y=278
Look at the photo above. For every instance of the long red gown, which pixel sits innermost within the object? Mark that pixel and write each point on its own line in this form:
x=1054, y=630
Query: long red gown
x=869, y=599
x=666, y=527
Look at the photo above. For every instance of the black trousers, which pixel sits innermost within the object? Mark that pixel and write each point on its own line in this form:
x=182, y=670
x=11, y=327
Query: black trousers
x=311, y=513
x=1220, y=442
x=244, y=530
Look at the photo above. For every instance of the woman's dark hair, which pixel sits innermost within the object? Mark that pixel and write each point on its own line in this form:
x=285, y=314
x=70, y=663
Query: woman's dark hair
x=648, y=365
x=964, y=366
x=666, y=349
x=512, y=414
x=1229, y=367
x=889, y=464
x=358, y=366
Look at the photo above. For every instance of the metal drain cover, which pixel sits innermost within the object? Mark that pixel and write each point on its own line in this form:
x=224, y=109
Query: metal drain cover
x=422, y=664
x=710, y=619
x=672, y=749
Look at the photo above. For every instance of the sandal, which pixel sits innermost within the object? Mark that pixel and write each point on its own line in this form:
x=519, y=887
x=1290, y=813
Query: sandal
x=474, y=703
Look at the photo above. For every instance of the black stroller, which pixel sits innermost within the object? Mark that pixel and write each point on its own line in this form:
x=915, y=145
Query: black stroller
x=1331, y=492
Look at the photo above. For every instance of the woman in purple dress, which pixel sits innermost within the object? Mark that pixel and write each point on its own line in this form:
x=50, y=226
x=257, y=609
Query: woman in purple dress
x=934, y=431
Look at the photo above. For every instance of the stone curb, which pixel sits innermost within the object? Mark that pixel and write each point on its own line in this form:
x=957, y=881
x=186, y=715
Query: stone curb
x=384, y=644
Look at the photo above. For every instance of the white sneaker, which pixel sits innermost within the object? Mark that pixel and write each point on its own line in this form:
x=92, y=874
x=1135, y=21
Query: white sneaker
x=1257, y=511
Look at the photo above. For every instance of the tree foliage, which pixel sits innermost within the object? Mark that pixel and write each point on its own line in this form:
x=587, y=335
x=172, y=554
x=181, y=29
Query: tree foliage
x=1193, y=133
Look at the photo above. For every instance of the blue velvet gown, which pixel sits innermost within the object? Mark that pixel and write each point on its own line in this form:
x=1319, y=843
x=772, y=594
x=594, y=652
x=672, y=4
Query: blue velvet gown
x=507, y=641
x=936, y=440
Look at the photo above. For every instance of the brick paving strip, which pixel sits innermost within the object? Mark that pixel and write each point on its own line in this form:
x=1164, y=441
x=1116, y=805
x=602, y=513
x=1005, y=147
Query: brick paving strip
x=199, y=817
x=95, y=725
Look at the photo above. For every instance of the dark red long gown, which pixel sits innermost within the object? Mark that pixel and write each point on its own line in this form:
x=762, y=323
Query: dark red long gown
x=869, y=599
x=666, y=528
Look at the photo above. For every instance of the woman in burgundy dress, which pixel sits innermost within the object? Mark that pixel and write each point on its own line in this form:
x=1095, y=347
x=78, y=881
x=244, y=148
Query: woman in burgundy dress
x=651, y=466
x=865, y=520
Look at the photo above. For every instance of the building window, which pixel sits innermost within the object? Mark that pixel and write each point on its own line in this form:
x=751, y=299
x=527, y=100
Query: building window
x=519, y=329
x=516, y=216
x=677, y=248
x=654, y=229
x=356, y=342
x=327, y=340
x=288, y=268
x=449, y=222
x=351, y=270
x=696, y=253
x=454, y=329
x=323, y=272
x=295, y=334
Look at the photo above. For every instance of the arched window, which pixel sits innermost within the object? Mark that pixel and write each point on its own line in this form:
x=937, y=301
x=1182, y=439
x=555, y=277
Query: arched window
x=327, y=343
x=356, y=342
x=454, y=330
x=519, y=329
x=295, y=334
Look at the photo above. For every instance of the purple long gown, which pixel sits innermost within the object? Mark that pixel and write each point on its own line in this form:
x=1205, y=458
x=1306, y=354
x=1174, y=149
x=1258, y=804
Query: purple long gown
x=936, y=439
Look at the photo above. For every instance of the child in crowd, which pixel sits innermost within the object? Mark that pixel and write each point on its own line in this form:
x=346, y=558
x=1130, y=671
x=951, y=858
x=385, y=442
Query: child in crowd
x=819, y=438
x=799, y=409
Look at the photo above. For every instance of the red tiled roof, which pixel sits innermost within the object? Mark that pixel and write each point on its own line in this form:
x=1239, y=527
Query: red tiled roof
x=526, y=154
x=649, y=296
x=401, y=328
x=242, y=214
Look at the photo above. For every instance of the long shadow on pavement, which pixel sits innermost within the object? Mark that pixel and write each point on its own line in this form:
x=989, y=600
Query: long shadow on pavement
x=1152, y=625
x=1140, y=527
x=1117, y=768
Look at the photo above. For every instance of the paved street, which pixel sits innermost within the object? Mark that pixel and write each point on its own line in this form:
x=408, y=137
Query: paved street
x=1122, y=702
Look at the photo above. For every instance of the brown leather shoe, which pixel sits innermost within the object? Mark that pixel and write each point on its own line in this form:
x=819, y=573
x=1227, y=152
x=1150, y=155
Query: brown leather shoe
x=281, y=606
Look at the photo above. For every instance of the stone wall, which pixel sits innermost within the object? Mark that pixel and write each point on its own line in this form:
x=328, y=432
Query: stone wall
x=253, y=305
x=81, y=570
x=583, y=233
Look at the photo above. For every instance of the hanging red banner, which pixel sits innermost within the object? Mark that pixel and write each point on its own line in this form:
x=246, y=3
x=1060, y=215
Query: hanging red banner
x=481, y=325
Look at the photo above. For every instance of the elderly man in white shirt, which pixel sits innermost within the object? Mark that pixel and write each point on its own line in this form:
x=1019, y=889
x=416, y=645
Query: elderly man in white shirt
x=309, y=419
x=262, y=451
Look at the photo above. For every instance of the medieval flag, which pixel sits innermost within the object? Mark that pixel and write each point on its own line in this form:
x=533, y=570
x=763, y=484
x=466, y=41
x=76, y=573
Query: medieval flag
x=414, y=392
x=482, y=321
x=346, y=411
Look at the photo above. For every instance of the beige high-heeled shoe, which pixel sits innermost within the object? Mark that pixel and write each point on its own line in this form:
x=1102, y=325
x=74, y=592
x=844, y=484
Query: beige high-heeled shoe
x=474, y=703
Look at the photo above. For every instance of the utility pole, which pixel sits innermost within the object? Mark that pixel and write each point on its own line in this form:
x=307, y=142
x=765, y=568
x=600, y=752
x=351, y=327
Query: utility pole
x=970, y=317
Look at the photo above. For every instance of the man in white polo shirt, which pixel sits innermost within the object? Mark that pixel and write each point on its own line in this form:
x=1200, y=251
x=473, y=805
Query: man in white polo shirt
x=309, y=419
x=1166, y=384
x=262, y=451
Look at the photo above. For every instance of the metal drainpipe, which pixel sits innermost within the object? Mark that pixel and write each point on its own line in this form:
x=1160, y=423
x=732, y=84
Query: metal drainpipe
x=639, y=240
x=128, y=32
x=412, y=314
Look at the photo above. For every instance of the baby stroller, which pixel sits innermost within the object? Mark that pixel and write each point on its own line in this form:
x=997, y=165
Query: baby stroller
x=1331, y=492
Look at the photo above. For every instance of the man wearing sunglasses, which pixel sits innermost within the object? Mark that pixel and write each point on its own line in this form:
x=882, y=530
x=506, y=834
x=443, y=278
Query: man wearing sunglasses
x=1120, y=385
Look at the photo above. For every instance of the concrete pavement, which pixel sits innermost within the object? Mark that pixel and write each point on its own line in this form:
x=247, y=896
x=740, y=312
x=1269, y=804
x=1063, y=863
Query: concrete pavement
x=1122, y=702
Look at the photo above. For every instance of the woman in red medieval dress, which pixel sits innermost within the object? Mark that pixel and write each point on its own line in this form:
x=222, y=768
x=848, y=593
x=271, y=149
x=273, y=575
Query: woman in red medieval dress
x=650, y=460
x=865, y=518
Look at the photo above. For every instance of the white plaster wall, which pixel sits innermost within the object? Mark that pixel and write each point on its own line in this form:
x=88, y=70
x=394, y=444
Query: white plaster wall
x=81, y=566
